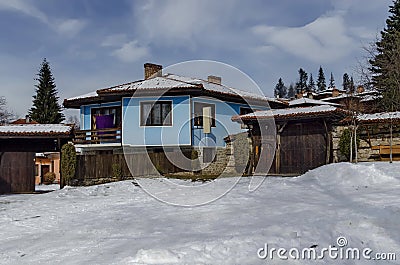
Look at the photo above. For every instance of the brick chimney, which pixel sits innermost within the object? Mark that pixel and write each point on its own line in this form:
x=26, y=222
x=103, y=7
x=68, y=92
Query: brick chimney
x=360, y=89
x=152, y=70
x=214, y=79
x=336, y=92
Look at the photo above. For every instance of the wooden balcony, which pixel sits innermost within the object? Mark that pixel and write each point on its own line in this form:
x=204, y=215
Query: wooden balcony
x=99, y=136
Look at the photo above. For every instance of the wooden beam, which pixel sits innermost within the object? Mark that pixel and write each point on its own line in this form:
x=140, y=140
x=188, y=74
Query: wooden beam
x=328, y=143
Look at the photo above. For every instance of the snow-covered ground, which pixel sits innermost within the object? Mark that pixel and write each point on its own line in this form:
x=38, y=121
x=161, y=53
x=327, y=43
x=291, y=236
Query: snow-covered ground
x=119, y=223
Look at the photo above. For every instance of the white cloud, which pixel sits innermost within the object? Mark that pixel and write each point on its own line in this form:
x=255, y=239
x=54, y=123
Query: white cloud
x=70, y=27
x=114, y=40
x=24, y=7
x=131, y=52
x=182, y=22
x=323, y=40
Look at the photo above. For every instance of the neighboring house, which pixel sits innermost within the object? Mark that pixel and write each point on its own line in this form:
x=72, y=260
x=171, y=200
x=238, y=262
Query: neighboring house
x=361, y=100
x=163, y=111
x=27, y=120
x=47, y=162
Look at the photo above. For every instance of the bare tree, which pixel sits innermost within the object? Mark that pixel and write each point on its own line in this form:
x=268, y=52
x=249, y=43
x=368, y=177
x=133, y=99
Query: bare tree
x=5, y=115
x=73, y=120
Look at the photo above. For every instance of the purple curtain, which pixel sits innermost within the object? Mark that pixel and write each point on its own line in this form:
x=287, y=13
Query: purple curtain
x=104, y=122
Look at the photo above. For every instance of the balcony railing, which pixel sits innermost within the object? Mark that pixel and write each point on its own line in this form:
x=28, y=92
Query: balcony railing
x=99, y=136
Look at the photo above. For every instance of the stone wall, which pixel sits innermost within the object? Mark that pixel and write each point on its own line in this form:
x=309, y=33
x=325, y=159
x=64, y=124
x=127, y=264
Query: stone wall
x=369, y=135
x=229, y=160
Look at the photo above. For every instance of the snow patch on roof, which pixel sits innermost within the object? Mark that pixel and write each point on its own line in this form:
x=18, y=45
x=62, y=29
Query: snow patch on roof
x=152, y=83
x=87, y=95
x=219, y=88
x=31, y=129
x=310, y=101
x=379, y=116
x=276, y=113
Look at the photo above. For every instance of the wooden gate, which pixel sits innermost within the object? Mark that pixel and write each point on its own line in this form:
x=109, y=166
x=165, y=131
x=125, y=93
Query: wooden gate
x=303, y=147
x=17, y=172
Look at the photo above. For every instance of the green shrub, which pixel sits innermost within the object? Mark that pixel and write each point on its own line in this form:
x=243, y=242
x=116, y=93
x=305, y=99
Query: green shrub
x=49, y=178
x=344, y=144
x=116, y=171
x=68, y=162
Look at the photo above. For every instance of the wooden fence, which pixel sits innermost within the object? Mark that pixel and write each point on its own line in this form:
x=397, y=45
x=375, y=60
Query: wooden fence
x=98, y=168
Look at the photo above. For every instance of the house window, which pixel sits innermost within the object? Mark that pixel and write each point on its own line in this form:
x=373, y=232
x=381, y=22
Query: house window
x=107, y=117
x=198, y=114
x=156, y=113
x=245, y=110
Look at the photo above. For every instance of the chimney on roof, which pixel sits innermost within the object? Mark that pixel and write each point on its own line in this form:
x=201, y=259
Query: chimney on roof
x=152, y=70
x=335, y=92
x=214, y=79
x=360, y=89
x=27, y=119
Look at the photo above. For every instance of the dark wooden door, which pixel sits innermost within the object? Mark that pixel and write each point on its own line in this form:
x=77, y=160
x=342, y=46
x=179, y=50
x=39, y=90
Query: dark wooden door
x=303, y=147
x=44, y=169
x=17, y=172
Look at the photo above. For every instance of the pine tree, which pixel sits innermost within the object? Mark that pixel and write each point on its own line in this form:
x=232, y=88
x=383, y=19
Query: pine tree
x=331, y=81
x=280, y=89
x=352, y=86
x=291, y=91
x=346, y=83
x=301, y=85
x=385, y=65
x=321, y=83
x=311, y=84
x=46, y=108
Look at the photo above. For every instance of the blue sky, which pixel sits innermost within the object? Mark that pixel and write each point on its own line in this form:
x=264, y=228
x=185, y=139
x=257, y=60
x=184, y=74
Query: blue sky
x=92, y=44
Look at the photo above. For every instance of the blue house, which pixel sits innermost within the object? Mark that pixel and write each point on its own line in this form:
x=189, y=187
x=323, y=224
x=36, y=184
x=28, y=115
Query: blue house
x=163, y=110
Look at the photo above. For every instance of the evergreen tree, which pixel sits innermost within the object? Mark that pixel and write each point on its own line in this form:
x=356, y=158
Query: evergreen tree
x=385, y=65
x=291, y=91
x=321, y=83
x=301, y=85
x=331, y=81
x=311, y=84
x=45, y=107
x=352, y=86
x=346, y=83
x=280, y=89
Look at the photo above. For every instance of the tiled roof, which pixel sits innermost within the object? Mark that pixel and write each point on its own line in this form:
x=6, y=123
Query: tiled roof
x=172, y=81
x=301, y=101
x=35, y=130
x=289, y=113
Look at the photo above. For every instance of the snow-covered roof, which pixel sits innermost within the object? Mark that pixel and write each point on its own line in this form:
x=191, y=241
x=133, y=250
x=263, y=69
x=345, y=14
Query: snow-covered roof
x=290, y=113
x=379, y=117
x=219, y=88
x=365, y=96
x=302, y=101
x=159, y=82
x=35, y=130
x=172, y=81
x=87, y=95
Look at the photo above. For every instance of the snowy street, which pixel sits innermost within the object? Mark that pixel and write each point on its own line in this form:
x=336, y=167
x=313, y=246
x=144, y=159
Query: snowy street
x=119, y=223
